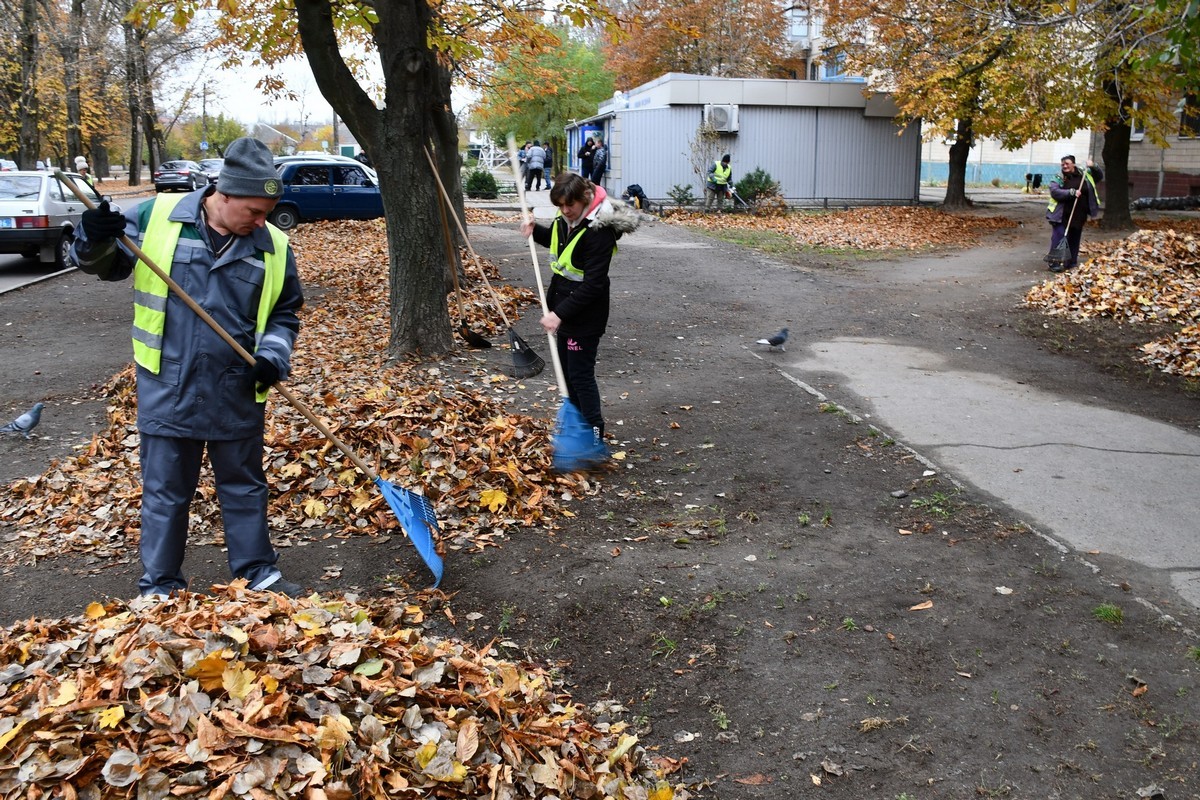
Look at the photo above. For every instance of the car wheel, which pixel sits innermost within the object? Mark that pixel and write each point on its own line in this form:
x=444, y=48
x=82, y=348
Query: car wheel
x=285, y=218
x=62, y=253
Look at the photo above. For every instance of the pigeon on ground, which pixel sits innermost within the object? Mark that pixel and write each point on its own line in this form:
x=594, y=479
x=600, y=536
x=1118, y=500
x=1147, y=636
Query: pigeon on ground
x=26, y=422
x=775, y=341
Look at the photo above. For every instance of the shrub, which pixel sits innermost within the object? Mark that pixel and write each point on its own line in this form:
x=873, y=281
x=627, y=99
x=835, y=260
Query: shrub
x=682, y=195
x=481, y=184
x=757, y=186
x=996, y=182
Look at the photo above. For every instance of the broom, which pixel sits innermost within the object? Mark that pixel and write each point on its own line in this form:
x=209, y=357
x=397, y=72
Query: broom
x=526, y=363
x=1061, y=252
x=575, y=445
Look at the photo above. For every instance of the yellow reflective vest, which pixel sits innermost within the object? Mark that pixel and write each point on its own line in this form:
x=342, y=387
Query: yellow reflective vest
x=721, y=173
x=150, y=291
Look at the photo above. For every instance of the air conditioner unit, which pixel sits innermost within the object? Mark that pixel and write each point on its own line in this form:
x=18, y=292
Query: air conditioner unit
x=722, y=118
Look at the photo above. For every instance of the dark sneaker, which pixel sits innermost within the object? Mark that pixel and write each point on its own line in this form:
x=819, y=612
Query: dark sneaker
x=286, y=587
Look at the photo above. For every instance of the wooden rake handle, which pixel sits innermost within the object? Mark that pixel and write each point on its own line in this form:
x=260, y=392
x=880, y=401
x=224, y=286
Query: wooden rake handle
x=527, y=216
x=224, y=334
x=466, y=240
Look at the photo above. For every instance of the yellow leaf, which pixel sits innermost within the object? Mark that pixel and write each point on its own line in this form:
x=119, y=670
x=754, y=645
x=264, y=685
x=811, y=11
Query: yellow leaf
x=347, y=477
x=237, y=680
x=333, y=733
x=623, y=744
x=210, y=669
x=315, y=508
x=425, y=754
x=95, y=611
x=922, y=606
x=662, y=791
x=360, y=501
x=620, y=456
x=5, y=738
x=494, y=499
x=68, y=690
x=292, y=470
x=110, y=716
x=269, y=684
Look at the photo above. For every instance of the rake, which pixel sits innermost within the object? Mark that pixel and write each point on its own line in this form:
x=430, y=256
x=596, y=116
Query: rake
x=575, y=445
x=525, y=362
x=413, y=511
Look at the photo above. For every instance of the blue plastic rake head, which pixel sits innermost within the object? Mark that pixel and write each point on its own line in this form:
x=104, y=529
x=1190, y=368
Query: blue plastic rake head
x=417, y=518
x=575, y=444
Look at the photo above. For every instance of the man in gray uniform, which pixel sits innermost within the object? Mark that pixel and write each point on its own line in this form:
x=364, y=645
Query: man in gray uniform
x=194, y=391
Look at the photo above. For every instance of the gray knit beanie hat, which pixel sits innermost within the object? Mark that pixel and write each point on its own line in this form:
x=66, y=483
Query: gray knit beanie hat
x=249, y=170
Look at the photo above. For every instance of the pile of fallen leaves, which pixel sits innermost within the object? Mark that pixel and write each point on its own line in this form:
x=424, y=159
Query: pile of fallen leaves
x=483, y=216
x=867, y=228
x=444, y=430
x=235, y=695
x=1149, y=276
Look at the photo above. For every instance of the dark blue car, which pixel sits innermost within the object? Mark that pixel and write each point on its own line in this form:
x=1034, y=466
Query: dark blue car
x=325, y=189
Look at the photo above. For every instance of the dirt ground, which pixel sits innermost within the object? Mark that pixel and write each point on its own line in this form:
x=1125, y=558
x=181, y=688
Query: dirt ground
x=743, y=588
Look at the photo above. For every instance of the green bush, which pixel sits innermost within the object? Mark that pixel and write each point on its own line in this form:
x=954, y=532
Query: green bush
x=757, y=186
x=682, y=195
x=481, y=184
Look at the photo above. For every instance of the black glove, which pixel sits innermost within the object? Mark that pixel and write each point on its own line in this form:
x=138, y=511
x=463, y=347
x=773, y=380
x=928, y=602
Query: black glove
x=102, y=224
x=265, y=373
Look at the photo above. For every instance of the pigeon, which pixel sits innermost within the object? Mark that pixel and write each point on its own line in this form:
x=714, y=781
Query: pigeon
x=775, y=341
x=26, y=422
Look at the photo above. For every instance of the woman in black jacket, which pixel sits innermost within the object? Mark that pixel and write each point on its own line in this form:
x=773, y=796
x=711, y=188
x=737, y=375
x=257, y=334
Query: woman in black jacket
x=585, y=157
x=582, y=239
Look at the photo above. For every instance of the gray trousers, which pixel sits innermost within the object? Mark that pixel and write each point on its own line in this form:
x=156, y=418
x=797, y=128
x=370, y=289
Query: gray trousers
x=170, y=472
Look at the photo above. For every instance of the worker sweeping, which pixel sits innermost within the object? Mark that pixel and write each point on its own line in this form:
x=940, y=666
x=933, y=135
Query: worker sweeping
x=582, y=239
x=195, y=393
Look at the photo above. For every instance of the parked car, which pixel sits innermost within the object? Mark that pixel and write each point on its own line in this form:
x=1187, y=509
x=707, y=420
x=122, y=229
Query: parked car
x=211, y=168
x=38, y=215
x=325, y=188
x=184, y=175
x=6, y=165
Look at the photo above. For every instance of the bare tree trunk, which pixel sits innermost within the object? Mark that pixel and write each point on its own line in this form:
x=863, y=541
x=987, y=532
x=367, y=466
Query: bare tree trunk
x=70, y=56
x=956, y=177
x=1116, y=171
x=395, y=139
x=27, y=137
x=133, y=95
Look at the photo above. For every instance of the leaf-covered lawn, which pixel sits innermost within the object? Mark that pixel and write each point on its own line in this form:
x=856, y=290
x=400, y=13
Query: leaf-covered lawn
x=866, y=228
x=1152, y=276
x=445, y=432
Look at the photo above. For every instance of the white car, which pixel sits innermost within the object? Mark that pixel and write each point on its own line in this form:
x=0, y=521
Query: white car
x=38, y=215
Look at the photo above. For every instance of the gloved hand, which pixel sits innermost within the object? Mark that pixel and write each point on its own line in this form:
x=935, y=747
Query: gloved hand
x=102, y=224
x=265, y=373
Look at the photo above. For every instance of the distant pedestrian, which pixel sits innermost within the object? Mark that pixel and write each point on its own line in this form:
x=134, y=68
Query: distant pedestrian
x=585, y=157
x=86, y=174
x=523, y=159
x=549, y=170
x=717, y=183
x=535, y=164
x=599, y=161
x=1069, y=188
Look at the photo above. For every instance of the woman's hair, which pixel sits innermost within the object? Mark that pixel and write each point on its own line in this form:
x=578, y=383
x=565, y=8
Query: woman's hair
x=589, y=141
x=570, y=188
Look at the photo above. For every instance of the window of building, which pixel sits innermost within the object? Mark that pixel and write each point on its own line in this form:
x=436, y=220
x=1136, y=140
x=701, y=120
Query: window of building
x=798, y=21
x=835, y=64
x=1189, y=117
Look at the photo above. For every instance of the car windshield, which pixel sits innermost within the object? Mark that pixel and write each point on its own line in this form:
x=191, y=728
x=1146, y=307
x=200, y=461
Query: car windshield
x=19, y=186
x=212, y=163
x=175, y=165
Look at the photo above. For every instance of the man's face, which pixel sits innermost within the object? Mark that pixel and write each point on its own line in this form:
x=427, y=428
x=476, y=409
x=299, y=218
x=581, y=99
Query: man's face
x=241, y=215
x=1068, y=166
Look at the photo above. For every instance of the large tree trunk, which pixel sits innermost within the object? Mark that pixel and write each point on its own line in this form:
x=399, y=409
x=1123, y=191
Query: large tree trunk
x=70, y=56
x=956, y=177
x=27, y=136
x=1116, y=172
x=395, y=139
x=133, y=95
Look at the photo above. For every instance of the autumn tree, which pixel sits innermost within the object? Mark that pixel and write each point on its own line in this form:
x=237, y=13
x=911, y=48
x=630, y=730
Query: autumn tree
x=723, y=38
x=420, y=46
x=535, y=94
x=963, y=72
